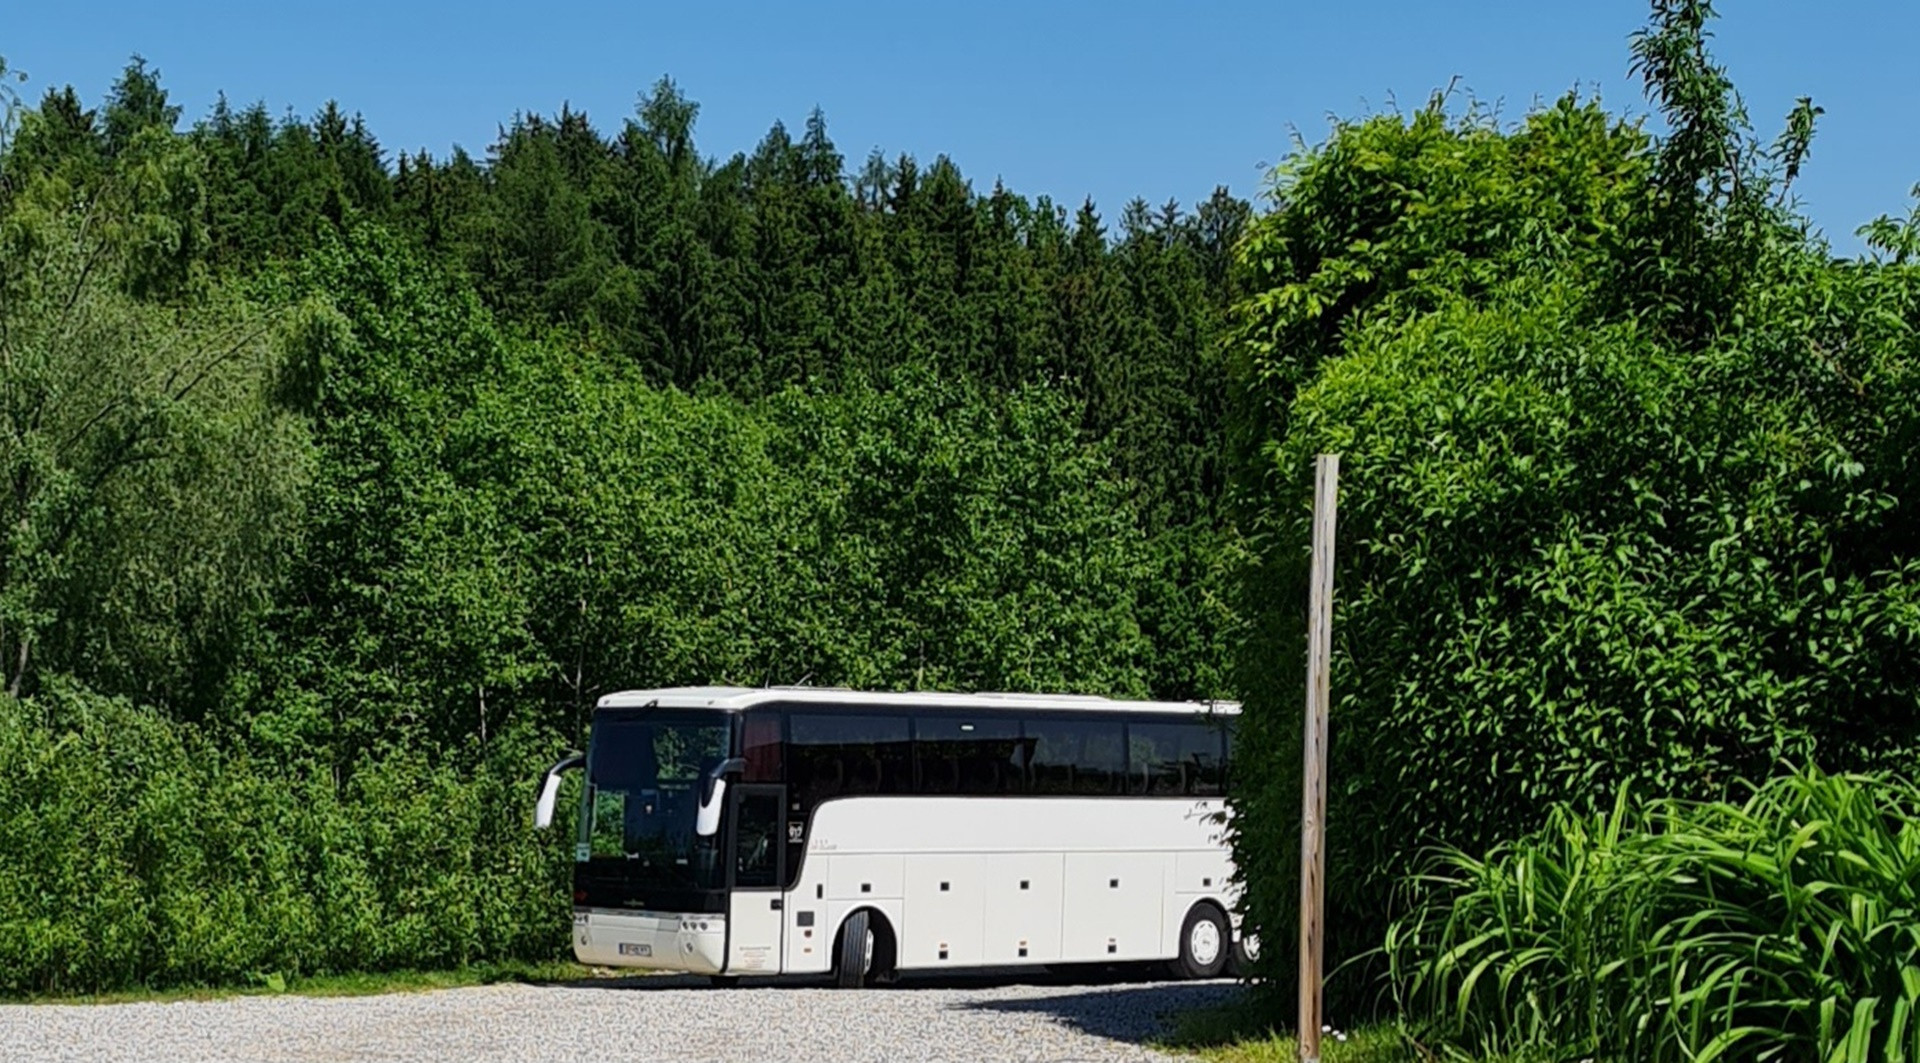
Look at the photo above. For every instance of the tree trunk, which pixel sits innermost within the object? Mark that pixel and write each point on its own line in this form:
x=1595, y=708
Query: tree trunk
x=20, y=666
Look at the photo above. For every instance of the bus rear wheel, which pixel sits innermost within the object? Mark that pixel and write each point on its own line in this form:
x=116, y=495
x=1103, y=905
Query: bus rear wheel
x=1205, y=943
x=1246, y=953
x=853, y=959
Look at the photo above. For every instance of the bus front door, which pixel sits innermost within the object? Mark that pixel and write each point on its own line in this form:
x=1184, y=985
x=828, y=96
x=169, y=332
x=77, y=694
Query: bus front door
x=754, y=919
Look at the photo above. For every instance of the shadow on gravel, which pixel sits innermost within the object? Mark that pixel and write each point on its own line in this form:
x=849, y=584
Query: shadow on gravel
x=1132, y=1013
x=1133, y=1006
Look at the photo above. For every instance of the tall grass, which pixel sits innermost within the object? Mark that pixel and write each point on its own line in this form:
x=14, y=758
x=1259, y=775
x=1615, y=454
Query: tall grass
x=1782, y=928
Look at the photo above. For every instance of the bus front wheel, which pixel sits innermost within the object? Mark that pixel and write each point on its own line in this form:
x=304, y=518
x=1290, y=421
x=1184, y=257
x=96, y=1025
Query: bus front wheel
x=1205, y=943
x=853, y=960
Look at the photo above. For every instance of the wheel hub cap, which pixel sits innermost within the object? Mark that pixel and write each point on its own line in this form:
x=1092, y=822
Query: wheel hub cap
x=1204, y=943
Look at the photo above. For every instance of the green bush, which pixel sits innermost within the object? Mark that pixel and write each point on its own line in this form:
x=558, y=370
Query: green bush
x=157, y=858
x=1785, y=927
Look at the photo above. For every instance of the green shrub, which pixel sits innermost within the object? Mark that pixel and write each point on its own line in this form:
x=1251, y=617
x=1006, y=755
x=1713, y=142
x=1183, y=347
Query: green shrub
x=138, y=852
x=1786, y=927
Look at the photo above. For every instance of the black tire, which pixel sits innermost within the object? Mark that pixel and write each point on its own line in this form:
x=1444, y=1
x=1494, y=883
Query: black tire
x=724, y=981
x=853, y=957
x=1205, y=943
x=1246, y=951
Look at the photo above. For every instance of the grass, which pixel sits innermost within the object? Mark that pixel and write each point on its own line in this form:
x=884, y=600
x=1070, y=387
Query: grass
x=1243, y=1031
x=338, y=985
x=1781, y=927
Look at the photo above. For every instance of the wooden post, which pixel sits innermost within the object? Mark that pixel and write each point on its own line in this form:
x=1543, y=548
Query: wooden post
x=1313, y=811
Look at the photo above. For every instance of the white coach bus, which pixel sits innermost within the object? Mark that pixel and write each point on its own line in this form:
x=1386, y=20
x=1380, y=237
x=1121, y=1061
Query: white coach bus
x=730, y=831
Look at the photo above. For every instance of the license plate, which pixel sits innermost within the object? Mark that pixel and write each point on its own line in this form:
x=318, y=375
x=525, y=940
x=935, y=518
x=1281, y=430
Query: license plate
x=629, y=948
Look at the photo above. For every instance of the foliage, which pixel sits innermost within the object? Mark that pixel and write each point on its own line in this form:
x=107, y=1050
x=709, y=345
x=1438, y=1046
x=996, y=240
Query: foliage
x=144, y=470
x=337, y=494
x=1625, y=461
x=159, y=857
x=500, y=530
x=1782, y=927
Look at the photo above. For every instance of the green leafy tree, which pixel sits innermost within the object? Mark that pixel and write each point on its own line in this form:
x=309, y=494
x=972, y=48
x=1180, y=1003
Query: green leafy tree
x=1624, y=453
x=394, y=617
x=144, y=465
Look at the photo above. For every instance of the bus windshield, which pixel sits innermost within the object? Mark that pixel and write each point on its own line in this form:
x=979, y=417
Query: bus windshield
x=646, y=776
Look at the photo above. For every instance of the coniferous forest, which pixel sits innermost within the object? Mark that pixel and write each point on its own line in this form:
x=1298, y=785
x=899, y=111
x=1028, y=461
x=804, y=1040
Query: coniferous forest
x=339, y=483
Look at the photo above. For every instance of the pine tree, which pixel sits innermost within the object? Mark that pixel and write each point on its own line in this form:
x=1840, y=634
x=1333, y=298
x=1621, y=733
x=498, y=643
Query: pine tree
x=60, y=135
x=136, y=103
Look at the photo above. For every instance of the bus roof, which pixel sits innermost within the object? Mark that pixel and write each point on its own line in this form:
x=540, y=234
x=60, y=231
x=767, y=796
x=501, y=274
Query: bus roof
x=737, y=698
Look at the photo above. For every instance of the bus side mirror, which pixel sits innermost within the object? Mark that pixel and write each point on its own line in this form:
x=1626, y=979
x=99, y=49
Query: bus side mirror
x=706, y=822
x=550, y=790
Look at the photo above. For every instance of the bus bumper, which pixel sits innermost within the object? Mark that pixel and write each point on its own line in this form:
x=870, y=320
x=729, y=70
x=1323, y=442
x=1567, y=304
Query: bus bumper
x=668, y=941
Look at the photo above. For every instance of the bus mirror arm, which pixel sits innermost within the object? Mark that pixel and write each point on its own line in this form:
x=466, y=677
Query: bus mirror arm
x=706, y=823
x=550, y=790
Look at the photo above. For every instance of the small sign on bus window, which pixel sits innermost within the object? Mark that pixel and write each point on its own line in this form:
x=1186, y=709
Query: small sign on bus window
x=796, y=831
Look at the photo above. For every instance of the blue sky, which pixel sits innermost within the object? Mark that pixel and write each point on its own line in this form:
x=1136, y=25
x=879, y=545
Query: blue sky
x=1111, y=100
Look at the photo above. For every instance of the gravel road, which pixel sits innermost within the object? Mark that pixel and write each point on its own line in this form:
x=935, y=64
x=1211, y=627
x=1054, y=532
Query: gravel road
x=662, y=1018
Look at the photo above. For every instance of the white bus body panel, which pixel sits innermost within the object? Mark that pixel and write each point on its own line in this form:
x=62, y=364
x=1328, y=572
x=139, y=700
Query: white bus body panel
x=1023, y=906
x=754, y=918
x=944, y=895
x=1027, y=879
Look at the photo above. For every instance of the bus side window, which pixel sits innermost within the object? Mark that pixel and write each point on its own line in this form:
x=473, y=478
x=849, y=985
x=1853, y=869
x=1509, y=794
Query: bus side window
x=835, y=754
x=1103, y=759
x=1017, y=762
x=1078, y=757
x=1203, y=756
x=1153, y=759
x=762, y=744
x=961, y=756
x=817, y=771
x=1054, y=750
x=936, y=756
x=1226, y=725
x=1175, y=759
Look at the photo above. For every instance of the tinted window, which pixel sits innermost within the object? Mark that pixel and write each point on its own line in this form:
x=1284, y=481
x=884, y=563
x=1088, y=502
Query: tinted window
x=646, y=776
x=757, y=840
x=1072, y=757
x=1175, y=759
x=1227, y=725
x=831, y=755
x=980, y=756
x=761, y=744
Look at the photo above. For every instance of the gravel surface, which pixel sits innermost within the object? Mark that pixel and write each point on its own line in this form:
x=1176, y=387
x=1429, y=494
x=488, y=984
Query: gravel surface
x=663, y=1018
